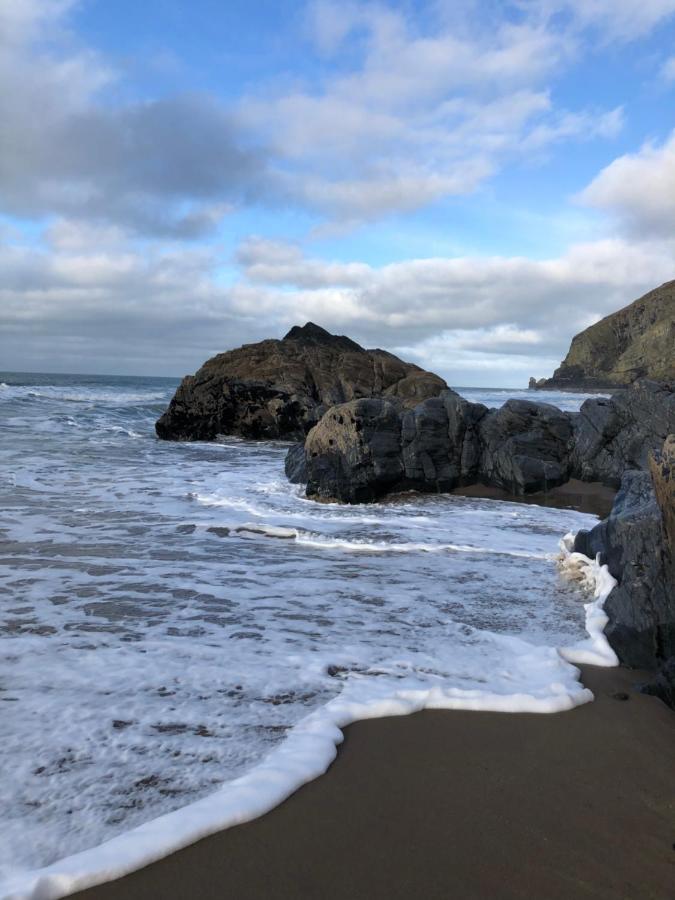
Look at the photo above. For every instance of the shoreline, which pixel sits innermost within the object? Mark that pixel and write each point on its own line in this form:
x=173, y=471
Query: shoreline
x=584, y=496
x=459, y=804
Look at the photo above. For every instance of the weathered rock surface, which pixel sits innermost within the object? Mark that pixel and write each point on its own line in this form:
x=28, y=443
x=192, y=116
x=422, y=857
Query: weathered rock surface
x=359, y=451
x=364, y=449
x=635, y=342
x=637, y=542
x=631, y=542
x=280, y=388
x=525, y=447
x=619, y=433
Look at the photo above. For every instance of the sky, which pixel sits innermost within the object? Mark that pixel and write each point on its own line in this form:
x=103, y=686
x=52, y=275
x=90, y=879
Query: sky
x=466, y=183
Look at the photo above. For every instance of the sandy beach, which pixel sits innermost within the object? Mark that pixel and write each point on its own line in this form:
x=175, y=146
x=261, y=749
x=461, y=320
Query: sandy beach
x=460, y=805
x=587, y=497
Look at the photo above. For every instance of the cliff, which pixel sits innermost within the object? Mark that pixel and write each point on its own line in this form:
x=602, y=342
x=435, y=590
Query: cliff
x=635, y=342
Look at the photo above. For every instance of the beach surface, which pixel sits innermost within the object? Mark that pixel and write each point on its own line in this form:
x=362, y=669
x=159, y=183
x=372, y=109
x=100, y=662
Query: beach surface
x=463, y=805
x=584, y=496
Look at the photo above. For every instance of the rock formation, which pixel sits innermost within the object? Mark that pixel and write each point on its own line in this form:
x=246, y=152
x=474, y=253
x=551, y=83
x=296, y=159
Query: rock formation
x=281, y=388
x=635, y=342
x=614, y=434
x=363, y=449
x=637, y=542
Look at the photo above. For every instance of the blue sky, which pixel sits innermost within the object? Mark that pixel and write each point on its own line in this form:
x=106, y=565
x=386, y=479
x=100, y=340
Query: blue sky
x=465, y=182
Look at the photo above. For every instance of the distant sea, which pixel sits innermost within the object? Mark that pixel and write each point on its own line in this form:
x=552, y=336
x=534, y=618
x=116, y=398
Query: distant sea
x=179, y=624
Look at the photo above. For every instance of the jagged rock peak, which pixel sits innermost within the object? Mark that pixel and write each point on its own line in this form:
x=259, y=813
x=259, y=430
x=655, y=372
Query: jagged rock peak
x=309, y=333
x=281, y=388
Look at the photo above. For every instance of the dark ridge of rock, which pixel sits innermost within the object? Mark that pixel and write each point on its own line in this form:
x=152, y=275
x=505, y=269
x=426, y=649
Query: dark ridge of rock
x=280, y=389
x=630, y=541
x=361, y=450
x=614, y=434
x=635, y=342
x=445, y=442
x=354, y=453
x=637, y=542
x=295, y=464
x=525, y=447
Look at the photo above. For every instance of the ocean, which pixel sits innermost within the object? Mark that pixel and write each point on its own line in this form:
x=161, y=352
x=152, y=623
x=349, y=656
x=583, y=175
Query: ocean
x=183, y=633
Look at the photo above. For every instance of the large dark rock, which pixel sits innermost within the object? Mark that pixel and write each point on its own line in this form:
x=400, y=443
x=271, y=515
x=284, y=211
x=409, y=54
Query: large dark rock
x=525, y=447
x=280, y=389
x=635, y=342
x=354, y=453
x=361, y=450
x=630, y=541
x=440, y=444
x=637, y=542
x=614, y=434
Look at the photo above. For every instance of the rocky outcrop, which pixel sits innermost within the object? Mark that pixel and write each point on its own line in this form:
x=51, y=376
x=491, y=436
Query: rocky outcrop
x=614, y=434
x=364, y=449
x=525, y=447
x=281, y=388
x=635, y=342
x=631, y=542
x=637, y=542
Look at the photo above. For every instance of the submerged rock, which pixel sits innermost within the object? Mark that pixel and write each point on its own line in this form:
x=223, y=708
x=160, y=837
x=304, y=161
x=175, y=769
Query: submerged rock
x=280, y=389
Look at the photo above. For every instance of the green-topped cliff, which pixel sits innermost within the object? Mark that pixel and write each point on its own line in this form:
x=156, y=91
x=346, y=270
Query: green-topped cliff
x=635, y=342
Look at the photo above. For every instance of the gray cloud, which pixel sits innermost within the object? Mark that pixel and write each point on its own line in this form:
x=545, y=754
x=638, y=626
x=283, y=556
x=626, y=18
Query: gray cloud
x=87, y=300
x=418, y=116
x=166, y=166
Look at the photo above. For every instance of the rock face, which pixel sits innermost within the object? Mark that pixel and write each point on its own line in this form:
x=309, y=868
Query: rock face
x=525, y=447
x=280, y=389
x=363, y=449
x=637, y=542
x=635, y=342
x=619, y=433
x=631, y=542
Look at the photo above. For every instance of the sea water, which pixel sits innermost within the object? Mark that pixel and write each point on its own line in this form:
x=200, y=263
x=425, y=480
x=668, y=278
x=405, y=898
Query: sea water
x=183, y=633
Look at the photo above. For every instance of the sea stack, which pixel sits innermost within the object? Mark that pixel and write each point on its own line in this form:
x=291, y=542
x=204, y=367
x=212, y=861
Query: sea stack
x=281, y=388
x=636, y=342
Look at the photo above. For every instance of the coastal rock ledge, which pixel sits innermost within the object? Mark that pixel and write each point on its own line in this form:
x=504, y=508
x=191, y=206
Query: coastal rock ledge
x=281, y=388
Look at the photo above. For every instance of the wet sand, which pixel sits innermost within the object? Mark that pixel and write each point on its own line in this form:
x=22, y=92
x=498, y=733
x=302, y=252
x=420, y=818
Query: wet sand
x=459, y=806
x=587, y=497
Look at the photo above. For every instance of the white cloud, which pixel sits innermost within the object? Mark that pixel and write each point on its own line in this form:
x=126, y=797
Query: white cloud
x=419, y=113
x=668, y=69
x=610, y=20
x=639, y=189
x=89, y=298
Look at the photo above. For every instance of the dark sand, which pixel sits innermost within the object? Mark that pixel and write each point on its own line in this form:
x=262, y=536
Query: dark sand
x=459, y=806
x=588, y=497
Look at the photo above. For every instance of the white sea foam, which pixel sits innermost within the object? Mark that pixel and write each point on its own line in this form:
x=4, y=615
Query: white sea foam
x=192, y=633
x=304, y=755
x=596, y=578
